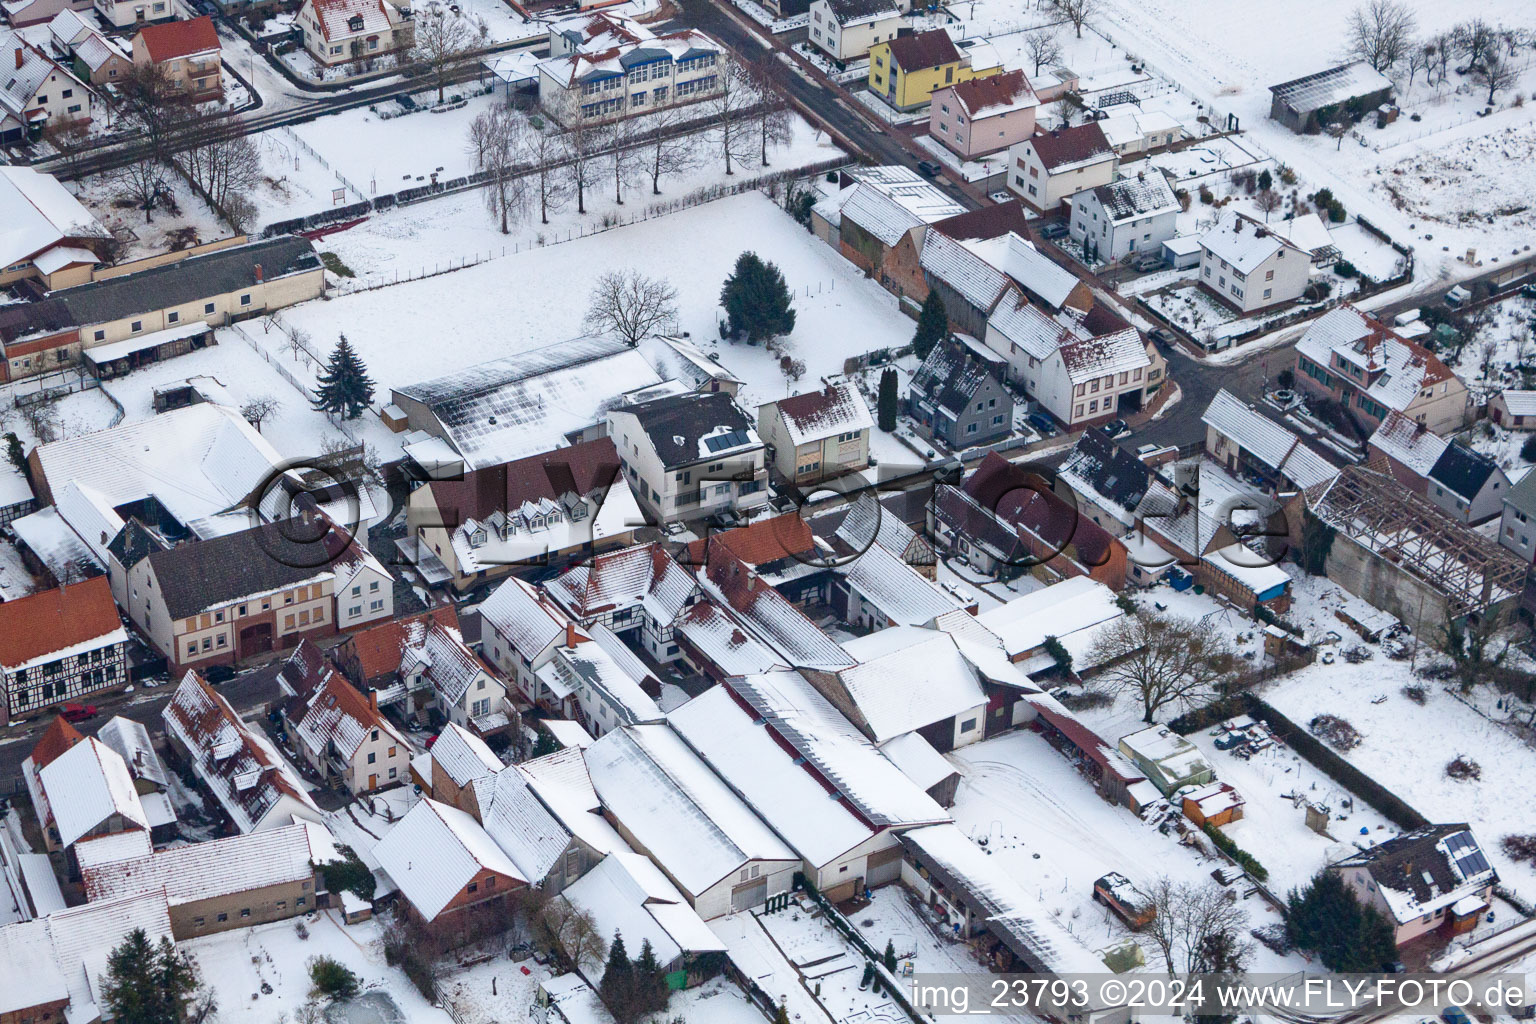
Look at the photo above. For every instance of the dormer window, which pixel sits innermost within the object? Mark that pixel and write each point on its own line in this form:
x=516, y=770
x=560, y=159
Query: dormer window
x=355, y=23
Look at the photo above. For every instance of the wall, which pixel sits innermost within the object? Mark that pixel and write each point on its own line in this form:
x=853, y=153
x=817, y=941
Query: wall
x=977, y=137
x=242, y=909
x=261, y=297
x=1366, y=575
x=71, y=682
x=126, y=14
x=389, y=753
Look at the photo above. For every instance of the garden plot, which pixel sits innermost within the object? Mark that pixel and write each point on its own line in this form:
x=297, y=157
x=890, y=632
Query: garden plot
x=830, y=966
x=1471, y=183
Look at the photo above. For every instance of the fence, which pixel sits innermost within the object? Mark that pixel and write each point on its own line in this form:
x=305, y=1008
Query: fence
x=313, y=154
x=297, y=346
x=48, y=386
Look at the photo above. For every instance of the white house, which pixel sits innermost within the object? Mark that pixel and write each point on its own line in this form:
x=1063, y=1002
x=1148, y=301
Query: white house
x=341, y=31
x=1436, y=878
x=364, y=590
x=600, y=682
x=632, y=78
x=520, y=629
x=1137, y=132
x=1132, y=215
x=690, y=456
x=846, y=29
x=819, y=435
x=36, y=90
x=127, y=13
x=1048, y=168
x=1250, y=267
x=463, y=688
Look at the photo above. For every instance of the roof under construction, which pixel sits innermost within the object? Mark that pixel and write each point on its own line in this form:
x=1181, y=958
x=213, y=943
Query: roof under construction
x=1472, y=572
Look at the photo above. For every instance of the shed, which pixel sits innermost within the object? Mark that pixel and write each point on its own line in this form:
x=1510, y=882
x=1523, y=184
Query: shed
x=1182, y=252
x=1215, y=803
x=1170, y=760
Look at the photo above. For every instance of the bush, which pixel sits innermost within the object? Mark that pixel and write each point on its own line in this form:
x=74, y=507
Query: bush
x=1335, y=732
x=1344, y=268
x=331, y=979
x=1520, y=848
x=1247, y=861
x=349, y=875
x=1347, y=935
x=1464, y=769
x=1205, y=196
x=1417, y=694
x=1528, y=449
x=1216, y=711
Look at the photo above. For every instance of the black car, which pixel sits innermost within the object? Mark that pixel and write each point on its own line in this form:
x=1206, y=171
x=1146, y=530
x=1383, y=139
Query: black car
x=1055, y=229
x=1117, y=428
x=1161, y=336
x=1042, y=423
x=929, y=168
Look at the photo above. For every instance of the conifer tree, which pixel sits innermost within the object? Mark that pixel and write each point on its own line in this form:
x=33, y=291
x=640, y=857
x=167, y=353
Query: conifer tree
x=650, y=981
x=345, y=387
x=618, y=985
x=886, y=408
x=932, y=326
x=15, y=453
x=756, y=300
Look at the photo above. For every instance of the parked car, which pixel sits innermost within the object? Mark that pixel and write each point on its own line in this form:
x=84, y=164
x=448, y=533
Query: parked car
x=1117, y=428
x=1230, y=740
x=929, y=169
x=219, y=673
x=78, y=712
x=1162, y=336
x=1055, y=229
x=1455, y=1015
x=1042, y=423
x=1147, y=261
x=1528, y=290
x=1458, y=296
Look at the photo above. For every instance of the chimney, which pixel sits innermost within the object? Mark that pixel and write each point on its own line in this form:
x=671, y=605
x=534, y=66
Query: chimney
x=19, y=57
x=373, y=700
x=258, y=273
x=570, y=633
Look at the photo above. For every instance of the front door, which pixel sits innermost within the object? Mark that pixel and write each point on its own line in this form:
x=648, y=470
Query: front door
x=373, y=781
x=256, y=639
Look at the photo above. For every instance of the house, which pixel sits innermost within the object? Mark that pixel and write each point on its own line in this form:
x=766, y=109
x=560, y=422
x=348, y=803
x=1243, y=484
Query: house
x=519, y=405
x=521, y=626
x=905, y=70
x=440, y=672
x=1170, y=761
x=237, y=765
x=600, y=682
x=909, y=679
x=957, y=397
x=1245, y=442
x=1410, y=558
x=1249, y=267
x=1309, y=103
x=966, y=272
x=1140, y=131
x=1051, y=166
x=846, y=29
x=48, y=235
x=215, y=886
x=455, y=880
x=457, y=760
x=37, y=92
x=819, y=435
x=1513, y=409
x=1355, y=359
x=668, y=805
x=629, y=895
x=689, y=456
x=546, y=509
x=1132, y=215
x=632, y=78
x=1310, y=233
x=23, y=13
x=979, y=116
x=124, y=14
x=350, y=31
x=1466, y=484
x=187, y=53
x=1515, y=529
x=83, y=792
x=130, y=740
x=1435, y=878
x=766, y=616
x=637, y=592
x=339, y=731
x=1107, y=481
x=882, y=220
x=60, y=645
x=364, y=590
x=681, y=360
x=1215, y=804
x=96, y=59
x=1076, y=612
x=516, y=818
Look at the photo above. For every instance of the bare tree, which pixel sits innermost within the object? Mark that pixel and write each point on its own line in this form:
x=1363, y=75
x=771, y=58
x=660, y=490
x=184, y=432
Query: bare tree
x=1078, y=12
x=551, y=189
x=259, y=408
x=1268, y=201
x=1042, y=47
x=669, y=151
x=43, y=420
x=629, y=304
x=1474, y=40
x=1421, y=57
x=142, y=183
x=583, y=147
x=443, y=40
x=1380, y=32
x=1162, y=660
x=624, y=159
x=575, y=932
x=1496, y=72
x=1443, y=44
x=498, y=142
x=732, y=110
x=1197, y=928
x=1064, y=109
x=773, y=122
x=1337, y=130
x=223, y=163
x=1490, y=349
x=150, y=103
x=70, y=138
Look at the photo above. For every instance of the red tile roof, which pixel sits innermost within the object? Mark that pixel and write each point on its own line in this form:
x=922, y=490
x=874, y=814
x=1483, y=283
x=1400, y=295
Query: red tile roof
x=1071, y=145
x=57, y=738
x=40, y=624
x=924, y=50
x=175, y=39
x=766, y=540
x=980, y=95
x=378, y=650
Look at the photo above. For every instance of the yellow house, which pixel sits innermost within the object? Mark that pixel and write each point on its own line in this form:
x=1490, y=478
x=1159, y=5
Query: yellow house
x=905, y=71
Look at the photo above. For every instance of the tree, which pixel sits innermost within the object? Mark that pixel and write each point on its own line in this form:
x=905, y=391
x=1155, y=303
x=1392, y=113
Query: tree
x=42, y=418
x=932, y=325
x=756, y=300
x=17, y=455
x=651, y=991
x=579, y=937
x=1162, y=660
x=220, y=161
x=331, y=979
x=889, y=956
x=258, y=408
x=731, y=110
x=150, y=103
x=1421, y=57
x=1527, y=450
x=1380, y=32
x=772, y=122
x=669, y=150
x=1443, y=44
x=1266, y=180
x=1347, y=935
x=1474, y=40
x=1197, y=928
x=887, y=405
x=618, y=985
x=781, y=1015
x=623, y=158
x=1496, y=72
x=552, y=190
x=498, y=141
x=1268, y=201
x=143, y=183
x=1064, y=109
x=1337, y=130
x=443, y=40
x=345, y=387
x=70, y=137
x=1042, y=47
x=1476, y=645
x=583, y=145
x=630, y=305
x=154, y=984
x=1078, y=12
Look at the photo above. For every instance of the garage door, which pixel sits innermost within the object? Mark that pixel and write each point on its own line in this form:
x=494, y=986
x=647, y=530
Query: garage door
x=749, y=896
x=884, y=866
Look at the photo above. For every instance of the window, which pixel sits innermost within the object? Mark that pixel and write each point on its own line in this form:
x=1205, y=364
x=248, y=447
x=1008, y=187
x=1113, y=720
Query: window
x=1269, y=275
x=222, y=640
x=997, y=419
x=223, y=916
x=474, y=887
x=207, y=643
x=207, y=307
x=375, y=606
x=100, y=336
x=970, y=428
x=968, y=725
x=172, y=317
x=245, y=912
x=245, y=300
x=394, y=772
x=136, y=326
x=373, y=757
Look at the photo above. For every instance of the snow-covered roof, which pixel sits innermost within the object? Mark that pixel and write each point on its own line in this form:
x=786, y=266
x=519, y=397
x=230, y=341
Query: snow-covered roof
x=36, y=211
x=109, y=849
x=959, y=266
x=1011, y=913
x=220, y=867
x=682, y=360
x=588, y=63
x=1330, y=87
x=908, y=678
x=1426, y=870
x=1102, y=355
x=679, y=811
x=130, y=739
x=1128, y=199
x=1036, y=272
x=600, y=663
x=345, y=19
x=694, y=427
x=643, y=574
x=905, y=597
x=627, y=894
x=1268, y=441
x=1257, y=572
x=83, y=937
x=88, y=784
x=520, y=824
x=47, y=536
x=561, y=781
x=768, y=615
x=918, y=760
x=1244, y=243
x=30, y=976
x=433, y=852
x=1409, y=442
x=1306, y=232
x=816, y=415
x=859, y=12
x=524, y=617
x=821, y=734
x=722, y=641
x=887, y=214
x=1074, y=611
x=1519, y=403
x=994, y=95
x=1396, y=371
x=817, y=823
x=462, y=756
x=335, y=715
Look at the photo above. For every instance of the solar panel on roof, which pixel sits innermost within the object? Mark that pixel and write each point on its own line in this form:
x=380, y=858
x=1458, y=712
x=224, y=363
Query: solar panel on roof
x=720, y=442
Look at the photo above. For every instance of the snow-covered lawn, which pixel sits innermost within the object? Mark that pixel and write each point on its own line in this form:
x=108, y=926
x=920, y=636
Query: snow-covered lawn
x=829, y=965
x=495, y=991
x=237, y=964
x=755, y=954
